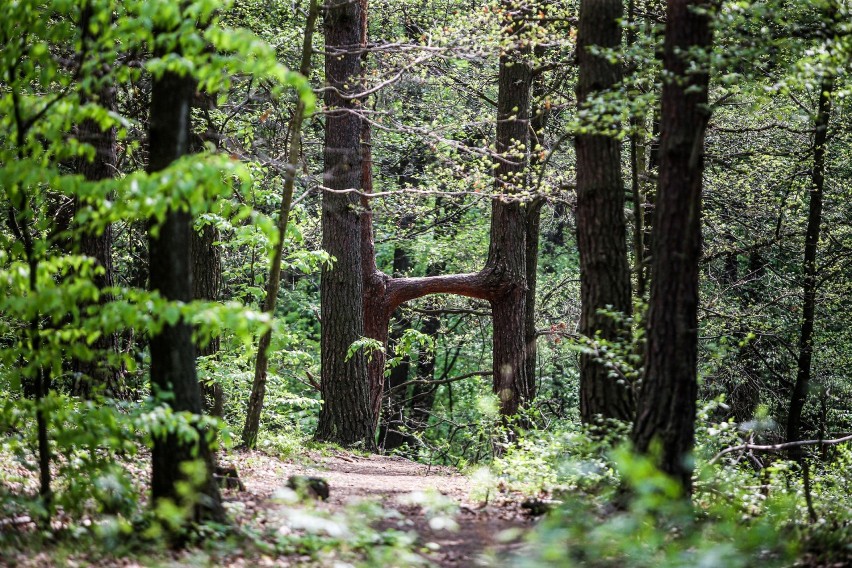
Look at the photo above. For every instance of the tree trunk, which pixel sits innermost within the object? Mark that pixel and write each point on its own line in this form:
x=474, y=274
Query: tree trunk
x=207, y=285
x=423, y=394
x=809, y=288
x=347, y=415
x=601, y=230
x=668, y=400
x=507, y=254
x=538, y=123
x=393, y=414
x=637, y=174
x=172, y=350
x=99, y=373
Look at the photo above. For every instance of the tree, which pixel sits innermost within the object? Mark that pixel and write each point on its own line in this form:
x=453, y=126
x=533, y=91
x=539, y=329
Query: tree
x=601, y=230
x=810, y=269
x=667, y=406
x=97, y=373
x=206, y=257
x=173, y=372
x=347, y=415
x=502, y=281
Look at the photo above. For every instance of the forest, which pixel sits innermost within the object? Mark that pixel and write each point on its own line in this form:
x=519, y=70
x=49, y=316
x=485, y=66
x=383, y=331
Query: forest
x=436, y=283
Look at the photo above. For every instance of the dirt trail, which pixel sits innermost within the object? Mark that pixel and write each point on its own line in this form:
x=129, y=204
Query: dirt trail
x=390, y=481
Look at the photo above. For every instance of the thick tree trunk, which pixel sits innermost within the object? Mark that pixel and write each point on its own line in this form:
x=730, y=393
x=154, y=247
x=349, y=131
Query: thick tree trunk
x=809, y=288
x=601, y=229
x=98, y=373
x=507, y=253
x=347, y=416
x=207, y=285
x=172, y=350
x=668, y=400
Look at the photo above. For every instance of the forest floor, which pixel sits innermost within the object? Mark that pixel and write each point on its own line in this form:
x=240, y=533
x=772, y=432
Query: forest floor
x=456, y=523
x=487, y=529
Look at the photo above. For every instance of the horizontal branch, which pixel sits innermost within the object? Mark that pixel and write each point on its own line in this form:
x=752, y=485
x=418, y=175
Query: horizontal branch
x=502, y=197
x=451, y=311
x=440, y=382
x=779, y=447
x=479, y=285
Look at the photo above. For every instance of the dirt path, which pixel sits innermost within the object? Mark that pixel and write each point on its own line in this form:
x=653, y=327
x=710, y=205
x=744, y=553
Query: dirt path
x=391, y=481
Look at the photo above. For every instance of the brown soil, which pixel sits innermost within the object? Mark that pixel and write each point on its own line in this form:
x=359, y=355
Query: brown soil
x=479, y=540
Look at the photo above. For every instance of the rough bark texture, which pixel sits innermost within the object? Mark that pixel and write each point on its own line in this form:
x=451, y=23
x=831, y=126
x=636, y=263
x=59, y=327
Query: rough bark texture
x=507, y=253
x=207, y=285
x=809, y=288
x=98, y=374
x=172, y=350
x=601, y=230
x=667, y=406
x=346, y=416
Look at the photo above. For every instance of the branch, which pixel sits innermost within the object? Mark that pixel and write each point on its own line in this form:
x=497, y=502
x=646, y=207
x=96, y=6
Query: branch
x=440, y=382
x=451, y=311
x=779, y=447
x=480, y=285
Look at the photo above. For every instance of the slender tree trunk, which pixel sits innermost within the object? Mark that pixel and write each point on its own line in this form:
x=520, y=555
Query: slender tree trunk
x=172, y=350
x=668, y=400
x=638, y=174
x=601, y=230
x=347, y=415
x=261, y=365
x=423, y=394
x=533, y=230
x=809, y=288
x=393, y=415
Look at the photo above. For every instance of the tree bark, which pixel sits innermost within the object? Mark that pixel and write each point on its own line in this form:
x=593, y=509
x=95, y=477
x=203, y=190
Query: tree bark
x=347, y=415
x=507, y=253
x=668, y=400
x=98, y=373
x=601, y=228
x=207, y=285
x=809, y=288
x=172, y=350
